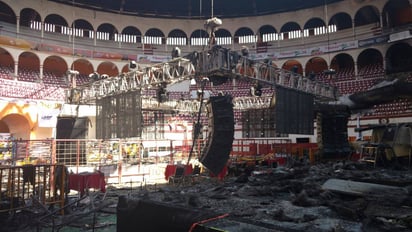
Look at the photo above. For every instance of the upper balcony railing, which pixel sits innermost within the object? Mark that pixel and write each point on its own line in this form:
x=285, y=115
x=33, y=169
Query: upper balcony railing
x=132, y=44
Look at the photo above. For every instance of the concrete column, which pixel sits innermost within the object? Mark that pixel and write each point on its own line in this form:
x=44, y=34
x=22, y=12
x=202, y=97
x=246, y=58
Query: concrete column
x=95, y=37
x=42, y=28
x=356, y=68
x=16, y=69
x=353, y=28
x=17, y=25
x=381, y=21
x=41, y=72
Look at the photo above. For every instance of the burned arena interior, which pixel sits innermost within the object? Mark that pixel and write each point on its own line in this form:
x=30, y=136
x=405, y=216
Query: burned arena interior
x=291, y=126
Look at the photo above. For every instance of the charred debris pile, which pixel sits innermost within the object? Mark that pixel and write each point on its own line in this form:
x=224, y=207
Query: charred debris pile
x=332, y=196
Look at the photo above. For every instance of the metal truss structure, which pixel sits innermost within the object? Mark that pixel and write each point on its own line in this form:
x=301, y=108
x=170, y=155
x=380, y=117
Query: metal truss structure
x=215, y=63
x=136, y=80
x=239, y=103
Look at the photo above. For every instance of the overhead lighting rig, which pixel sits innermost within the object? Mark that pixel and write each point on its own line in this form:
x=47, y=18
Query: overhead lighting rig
x=218, y=65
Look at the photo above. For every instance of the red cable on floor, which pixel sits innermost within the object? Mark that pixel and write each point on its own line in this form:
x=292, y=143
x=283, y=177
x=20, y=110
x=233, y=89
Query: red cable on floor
x=207, y=220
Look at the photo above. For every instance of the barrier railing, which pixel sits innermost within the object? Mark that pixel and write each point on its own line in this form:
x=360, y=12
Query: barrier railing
x=116, y=158
x=24, y=186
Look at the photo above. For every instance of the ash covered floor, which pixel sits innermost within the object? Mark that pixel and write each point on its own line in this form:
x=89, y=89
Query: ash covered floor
x=323, y=197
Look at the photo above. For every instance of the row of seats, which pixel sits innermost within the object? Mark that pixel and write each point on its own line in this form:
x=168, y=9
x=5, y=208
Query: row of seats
x=341, y=75
x=52, y=79
x=371, y=69
x=354, y=86
x=396, y=108
x=348, y=74
x=6, y=72
x=31, y=90
x=28, y=75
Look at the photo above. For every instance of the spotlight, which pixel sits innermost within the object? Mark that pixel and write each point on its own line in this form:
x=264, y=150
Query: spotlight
x=176, y=52
x=294, y=69
x=161, y=93
x=132, y=64
x=104, y=76
x=95, y=76
x=330, y=71
x=245, y=51
x=256, y=90
x=72, y=72
x=312, y=76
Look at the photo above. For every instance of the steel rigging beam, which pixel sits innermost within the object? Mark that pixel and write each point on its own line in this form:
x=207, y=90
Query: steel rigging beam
x=176, y=70
x=217, y=63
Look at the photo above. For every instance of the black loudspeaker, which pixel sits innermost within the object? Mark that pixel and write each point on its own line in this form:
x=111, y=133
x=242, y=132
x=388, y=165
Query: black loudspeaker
x=217, y=149
x=72, y=128
x=332, y=131
x=64, y=127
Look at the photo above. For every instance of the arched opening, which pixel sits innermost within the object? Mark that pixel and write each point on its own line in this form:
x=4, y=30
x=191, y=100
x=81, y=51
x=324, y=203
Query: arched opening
x=18, y=126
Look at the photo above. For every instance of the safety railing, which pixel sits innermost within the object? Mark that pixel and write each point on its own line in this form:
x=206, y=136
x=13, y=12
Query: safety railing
x=118, y=158
x=27, y=185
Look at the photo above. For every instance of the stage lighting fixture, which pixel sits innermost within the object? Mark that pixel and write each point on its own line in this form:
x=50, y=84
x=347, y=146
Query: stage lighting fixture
x=161, y=94
x=312, y=76
x=72, y=72
x=95, y=76
x=104, y=76
x=245, y=51
x=256, y=90
x=294, y=69
x=330, y=71
x=176, y=52
x=132, y=65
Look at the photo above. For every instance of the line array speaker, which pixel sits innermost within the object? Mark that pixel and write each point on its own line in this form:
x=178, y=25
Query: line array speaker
x=217, y=148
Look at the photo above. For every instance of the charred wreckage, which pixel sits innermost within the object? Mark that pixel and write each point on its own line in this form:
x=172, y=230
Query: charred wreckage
x=334, y=194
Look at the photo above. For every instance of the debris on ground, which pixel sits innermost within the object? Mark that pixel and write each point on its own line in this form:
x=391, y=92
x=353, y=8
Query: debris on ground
x=331, y=196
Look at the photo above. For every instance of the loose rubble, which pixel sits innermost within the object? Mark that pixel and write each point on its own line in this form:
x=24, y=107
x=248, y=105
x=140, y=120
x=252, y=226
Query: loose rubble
x=289, y=198
x=293, y=198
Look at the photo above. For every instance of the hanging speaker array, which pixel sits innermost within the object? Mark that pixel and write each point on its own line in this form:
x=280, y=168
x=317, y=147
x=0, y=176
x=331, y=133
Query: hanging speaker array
x=217, y=148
